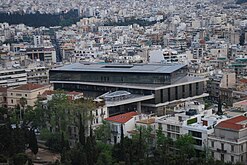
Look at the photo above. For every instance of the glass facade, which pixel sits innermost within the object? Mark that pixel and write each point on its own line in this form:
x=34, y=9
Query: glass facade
x=134, y=78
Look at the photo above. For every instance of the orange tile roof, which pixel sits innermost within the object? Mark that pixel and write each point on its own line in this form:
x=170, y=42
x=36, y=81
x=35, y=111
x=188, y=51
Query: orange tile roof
x=234, y=123
x=122, y=118
x=74, y=93
x=29, y=86
x=243, y=80
x=48, y=92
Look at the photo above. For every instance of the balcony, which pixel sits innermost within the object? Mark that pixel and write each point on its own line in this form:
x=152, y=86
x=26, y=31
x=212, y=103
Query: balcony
x=221, y=150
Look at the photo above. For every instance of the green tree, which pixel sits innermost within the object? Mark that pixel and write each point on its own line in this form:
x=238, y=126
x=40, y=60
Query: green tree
x=163, y=153
x=82, y=138
x=185, y=147
x=33, y=144
x=21, y=159
x=23, y=102
x=104, y=158
x=103, y=132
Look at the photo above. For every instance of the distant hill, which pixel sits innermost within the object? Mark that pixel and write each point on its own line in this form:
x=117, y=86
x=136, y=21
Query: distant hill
x=241, y=1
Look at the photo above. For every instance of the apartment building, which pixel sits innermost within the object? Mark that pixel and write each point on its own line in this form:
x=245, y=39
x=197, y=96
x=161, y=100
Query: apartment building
x=3, y=96
x=191, y=119
x=28, y=91
x=229, y=140
x=14, y=77
x=43, y=54
x=126, y=121
x=38, y=75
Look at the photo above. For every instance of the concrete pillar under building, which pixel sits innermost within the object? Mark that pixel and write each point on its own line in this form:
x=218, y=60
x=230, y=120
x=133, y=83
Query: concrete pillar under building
x=139, y=107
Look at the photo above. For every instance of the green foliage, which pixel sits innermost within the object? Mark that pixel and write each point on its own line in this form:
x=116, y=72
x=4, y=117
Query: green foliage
x=21, y=159
x=33, y=144
x=55, y=143
x=37, y=19
x=45, y=134
x=103, y=132
x=191, y=121
x=3, y=159
x=104, y=158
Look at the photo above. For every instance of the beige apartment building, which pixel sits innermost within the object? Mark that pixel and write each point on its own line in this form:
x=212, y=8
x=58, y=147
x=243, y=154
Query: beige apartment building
x=28, y=91
x=3, y=96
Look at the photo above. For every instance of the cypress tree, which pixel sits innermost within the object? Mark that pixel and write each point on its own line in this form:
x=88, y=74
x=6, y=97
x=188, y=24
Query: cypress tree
x=82, y=139
x=33, y=144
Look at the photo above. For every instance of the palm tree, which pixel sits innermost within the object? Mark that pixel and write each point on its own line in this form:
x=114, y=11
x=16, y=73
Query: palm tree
x=23, y=102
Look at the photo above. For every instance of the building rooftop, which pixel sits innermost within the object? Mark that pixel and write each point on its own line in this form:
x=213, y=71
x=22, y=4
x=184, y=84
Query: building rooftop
x=29, y=87
x=136, y=68
x=122, y=118
x=235, y=123
x=147, y=121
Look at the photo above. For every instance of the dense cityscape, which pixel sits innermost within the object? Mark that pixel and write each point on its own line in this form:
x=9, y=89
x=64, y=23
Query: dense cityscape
x=123, y=82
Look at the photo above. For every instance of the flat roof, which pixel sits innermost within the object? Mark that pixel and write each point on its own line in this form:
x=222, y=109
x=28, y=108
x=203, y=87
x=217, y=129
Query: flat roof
x=125, y=68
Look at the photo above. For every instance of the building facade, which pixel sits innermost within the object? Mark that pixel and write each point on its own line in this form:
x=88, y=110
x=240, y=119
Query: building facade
x=28, y=91
x=11, y=78
x=165, y=83
x=229, y=140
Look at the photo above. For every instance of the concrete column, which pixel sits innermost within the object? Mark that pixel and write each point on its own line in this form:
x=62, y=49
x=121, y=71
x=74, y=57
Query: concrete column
x=139, y=107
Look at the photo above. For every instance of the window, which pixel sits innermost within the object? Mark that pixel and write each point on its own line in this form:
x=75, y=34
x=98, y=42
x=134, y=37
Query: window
x=195, y=134
x=242, y=158
x=160, y=125
x=11, y=94
x=212, y=154
x=212, y=144
x=12, y=101
x=222, y=157
x=222, y=146
x=25, y=95
x=96, y=112
x=232, y=148
x=18, y=94
x=97, y=120
x=232, y=158
x=242, y=148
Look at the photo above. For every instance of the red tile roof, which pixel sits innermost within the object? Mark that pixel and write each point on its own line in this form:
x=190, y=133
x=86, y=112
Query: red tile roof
x=48, y=92
x=234, y=123
x=243, y=80
x=29, y=86
x=74, y=93
x=122, y=118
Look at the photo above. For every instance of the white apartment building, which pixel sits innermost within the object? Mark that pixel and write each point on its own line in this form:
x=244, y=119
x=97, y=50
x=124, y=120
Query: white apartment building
x=10, y=78
x=229, y=140
x=191, y=119
x=126, y=121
